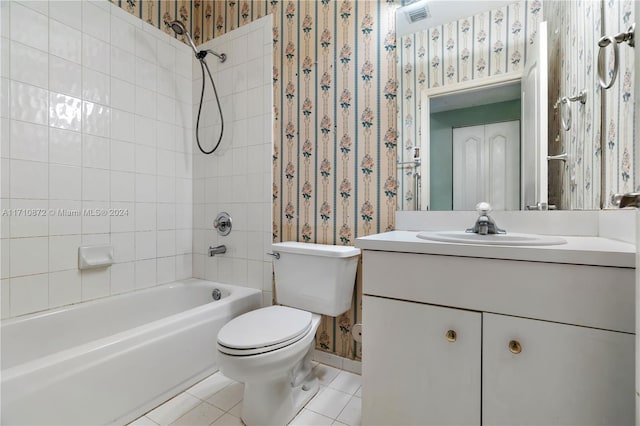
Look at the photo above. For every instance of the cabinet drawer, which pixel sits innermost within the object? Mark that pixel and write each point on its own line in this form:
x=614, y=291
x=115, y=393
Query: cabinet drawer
x=591, y=296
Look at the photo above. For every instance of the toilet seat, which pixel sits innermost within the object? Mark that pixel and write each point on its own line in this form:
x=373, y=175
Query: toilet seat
x=263, y=330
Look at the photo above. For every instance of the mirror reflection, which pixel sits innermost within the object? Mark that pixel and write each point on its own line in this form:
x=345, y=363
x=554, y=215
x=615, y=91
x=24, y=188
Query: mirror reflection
x=441, y=62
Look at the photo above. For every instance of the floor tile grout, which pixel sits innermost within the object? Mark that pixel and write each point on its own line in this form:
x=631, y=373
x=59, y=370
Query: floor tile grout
x=325, y=370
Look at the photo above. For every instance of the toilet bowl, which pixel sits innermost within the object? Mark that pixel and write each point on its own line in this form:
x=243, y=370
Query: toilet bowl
x=270, y=349
x=277, y=377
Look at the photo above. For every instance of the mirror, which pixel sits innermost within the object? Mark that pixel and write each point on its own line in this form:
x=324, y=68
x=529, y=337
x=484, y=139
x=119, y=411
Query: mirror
x=472, y=57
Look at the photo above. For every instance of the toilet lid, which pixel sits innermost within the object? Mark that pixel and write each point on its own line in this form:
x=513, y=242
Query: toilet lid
x=264, y=328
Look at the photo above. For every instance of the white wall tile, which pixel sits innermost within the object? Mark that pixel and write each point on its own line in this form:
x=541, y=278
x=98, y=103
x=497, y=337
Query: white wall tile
x=123, y=246
x=67, y=12
x=63, y=252
x=123, y=34
x=146, y=159
x=29, y=179
x=123, y=156
x=95, y=283
x=29, y=294
x=123, y=186
x=146, y=216
x=146, y=273
x=166, y=109
x=5, y=261
x=29, y=256
x=166, y=243
x=123, y=95
x=29, y=65
x=146, y=102
x=96, y=22
x=32, y=221
x=98, y=127
x=124, y=222
x=95, y=184
x=65, y=182
x=145, y=46
x=166, y=163
x=65, y=77
x=166, y=189
x=166, y=269
x=95, y=152
x=67, y=217
x=5, y=298
x=145, y=188
x=145, y=245
x=122, y=125
x=29, y=141
x=95, y=86
x=28, y=103
x=146, y=74
x=166, y=216
x=123, y=277
x=96, y=119
x=96, y=54
x=167, y=58
x=93, y=221
x=145, y=131
x=123, y=64
x=65, y=41
x=65, y=287
x=65, y=112
x=184, y=216
x=29, y=27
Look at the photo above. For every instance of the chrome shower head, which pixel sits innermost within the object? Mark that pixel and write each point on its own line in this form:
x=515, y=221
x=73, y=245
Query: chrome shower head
x=179, y=28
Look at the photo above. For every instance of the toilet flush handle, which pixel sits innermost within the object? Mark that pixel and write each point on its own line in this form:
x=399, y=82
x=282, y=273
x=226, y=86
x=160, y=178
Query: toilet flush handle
x=276, y=255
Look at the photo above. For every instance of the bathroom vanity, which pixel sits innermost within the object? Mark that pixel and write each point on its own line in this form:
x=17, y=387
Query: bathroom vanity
x=477, y=334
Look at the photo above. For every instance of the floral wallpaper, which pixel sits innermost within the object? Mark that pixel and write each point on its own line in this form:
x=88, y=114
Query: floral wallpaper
x=335, y=135
x=621, y=172
x=573, y=67
x=487, y=44
x=574, y=29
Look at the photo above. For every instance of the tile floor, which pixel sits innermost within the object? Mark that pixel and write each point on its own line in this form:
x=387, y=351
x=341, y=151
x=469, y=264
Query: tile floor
x=217, y=400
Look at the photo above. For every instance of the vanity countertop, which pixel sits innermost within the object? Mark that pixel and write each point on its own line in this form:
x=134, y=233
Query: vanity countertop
x=596, y=251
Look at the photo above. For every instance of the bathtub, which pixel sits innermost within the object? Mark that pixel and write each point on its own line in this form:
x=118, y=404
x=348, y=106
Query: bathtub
x=110, y=360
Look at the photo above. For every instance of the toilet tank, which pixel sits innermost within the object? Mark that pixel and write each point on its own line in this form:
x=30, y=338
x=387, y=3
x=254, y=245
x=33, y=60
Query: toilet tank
x=315, y=277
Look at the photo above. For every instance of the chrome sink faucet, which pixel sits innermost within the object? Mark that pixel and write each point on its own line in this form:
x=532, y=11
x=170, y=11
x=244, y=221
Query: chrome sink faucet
x=485, y=224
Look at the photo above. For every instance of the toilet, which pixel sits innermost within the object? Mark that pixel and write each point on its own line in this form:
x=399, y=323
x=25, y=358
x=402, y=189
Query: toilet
x=270, y=349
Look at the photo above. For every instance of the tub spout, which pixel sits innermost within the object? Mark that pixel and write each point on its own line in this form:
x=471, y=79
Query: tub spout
x=217, y=250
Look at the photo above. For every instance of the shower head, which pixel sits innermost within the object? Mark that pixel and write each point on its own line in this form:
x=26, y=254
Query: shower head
x=179, y=28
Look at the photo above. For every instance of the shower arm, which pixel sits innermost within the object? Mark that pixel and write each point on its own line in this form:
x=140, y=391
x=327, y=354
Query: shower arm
x=202, y=53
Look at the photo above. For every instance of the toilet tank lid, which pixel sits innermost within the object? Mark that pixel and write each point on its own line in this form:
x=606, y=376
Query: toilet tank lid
x=315, y=249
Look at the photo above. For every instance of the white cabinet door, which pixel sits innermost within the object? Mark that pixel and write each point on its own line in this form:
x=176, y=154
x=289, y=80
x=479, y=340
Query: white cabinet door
x=486, y=166
x=564, y=375
x=411, y=373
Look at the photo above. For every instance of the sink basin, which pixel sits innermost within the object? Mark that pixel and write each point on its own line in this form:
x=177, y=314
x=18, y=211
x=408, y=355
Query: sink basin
x=509, y=239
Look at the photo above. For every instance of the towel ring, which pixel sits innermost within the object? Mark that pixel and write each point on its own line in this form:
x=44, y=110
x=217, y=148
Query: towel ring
x=565, y=109
x=605, y=41
x=565, y=118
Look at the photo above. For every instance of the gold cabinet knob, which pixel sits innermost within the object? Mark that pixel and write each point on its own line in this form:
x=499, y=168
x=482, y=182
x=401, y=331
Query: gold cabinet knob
x=451, y=336
x=515, y=347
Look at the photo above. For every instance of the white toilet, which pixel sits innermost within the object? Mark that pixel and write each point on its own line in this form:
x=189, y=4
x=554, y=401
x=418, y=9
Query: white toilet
x=270, y=349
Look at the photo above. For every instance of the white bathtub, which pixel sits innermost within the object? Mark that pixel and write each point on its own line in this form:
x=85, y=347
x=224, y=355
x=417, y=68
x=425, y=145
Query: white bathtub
x=111, y=360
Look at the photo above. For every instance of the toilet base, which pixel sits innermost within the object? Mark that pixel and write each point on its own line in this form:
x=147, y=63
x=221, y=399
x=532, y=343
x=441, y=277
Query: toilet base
x=277, y=402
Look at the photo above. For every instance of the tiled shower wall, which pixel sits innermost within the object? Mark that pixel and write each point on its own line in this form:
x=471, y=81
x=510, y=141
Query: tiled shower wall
x=237, y=178
x=96, y=114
